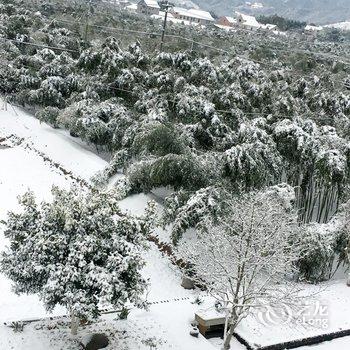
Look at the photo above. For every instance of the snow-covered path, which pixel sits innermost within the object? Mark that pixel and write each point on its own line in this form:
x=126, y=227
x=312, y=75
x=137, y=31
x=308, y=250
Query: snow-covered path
x=70, y=152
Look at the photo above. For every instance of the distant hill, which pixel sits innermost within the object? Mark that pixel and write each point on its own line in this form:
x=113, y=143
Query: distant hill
x=316, y=11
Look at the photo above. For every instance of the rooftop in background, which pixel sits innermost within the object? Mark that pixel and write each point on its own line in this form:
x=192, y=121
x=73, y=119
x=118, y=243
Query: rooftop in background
x=250, y=21
x=247, y=20
x=193, y=13
x=152, y=3
x=231, y=19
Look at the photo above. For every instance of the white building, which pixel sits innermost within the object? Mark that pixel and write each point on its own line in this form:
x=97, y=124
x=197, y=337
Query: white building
x=148, y=7
x=251, y=23
x=192, y=15
x=257, y=5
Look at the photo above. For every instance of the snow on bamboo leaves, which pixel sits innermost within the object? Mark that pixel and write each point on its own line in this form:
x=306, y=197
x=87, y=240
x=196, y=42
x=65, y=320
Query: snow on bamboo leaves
x=79, y=251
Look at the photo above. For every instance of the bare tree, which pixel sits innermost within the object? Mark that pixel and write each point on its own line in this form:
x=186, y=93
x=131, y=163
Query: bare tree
x=248, y=261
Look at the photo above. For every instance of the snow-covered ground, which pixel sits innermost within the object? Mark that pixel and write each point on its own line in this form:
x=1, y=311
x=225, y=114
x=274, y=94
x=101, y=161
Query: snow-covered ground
x=70, y=152
x=328, y=312
x=23, y=166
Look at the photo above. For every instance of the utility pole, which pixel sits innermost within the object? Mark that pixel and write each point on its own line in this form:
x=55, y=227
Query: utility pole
x=90, y=11
x=164, y=6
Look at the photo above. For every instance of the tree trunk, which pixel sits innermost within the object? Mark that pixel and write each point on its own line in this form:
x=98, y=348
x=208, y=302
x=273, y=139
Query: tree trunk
x=226, y=325
x=74, y=324
x=226, y=318
x=228, y=338
x=348, y=281
x=233, y=317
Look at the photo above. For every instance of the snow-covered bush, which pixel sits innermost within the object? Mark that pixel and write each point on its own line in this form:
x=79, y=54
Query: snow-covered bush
x=49, y=115
x=118, y=162
x=158, y=139
x=253, y=165
x=178, y=171
x=319, y=242
x=79, y=251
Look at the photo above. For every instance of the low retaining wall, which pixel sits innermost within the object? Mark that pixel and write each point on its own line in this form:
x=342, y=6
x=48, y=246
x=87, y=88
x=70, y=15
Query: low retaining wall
x=307, y=341
x=294, y=344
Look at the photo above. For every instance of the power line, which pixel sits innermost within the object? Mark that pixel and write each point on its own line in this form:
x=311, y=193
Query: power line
x=310, y=76
x=240, y=29
x=314, y=53
x=113, y=29
x=107, y=7
x=175, y=36
x=38, y=45
x=295, y=50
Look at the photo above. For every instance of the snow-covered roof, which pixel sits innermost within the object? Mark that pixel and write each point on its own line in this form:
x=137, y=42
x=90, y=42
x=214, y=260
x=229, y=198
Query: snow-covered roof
x=193, y=13
x=313, y=28
x=152, y=3
x=269, y=26
x=249, y=20
x=231, y=19
x=132, y=7
x=201, y=14
x=172, y=19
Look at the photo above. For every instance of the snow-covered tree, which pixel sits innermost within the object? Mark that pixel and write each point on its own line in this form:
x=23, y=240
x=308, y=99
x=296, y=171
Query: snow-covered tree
x=79, y=251
x=185, y=210
x=248, y=260
x=253, y=165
